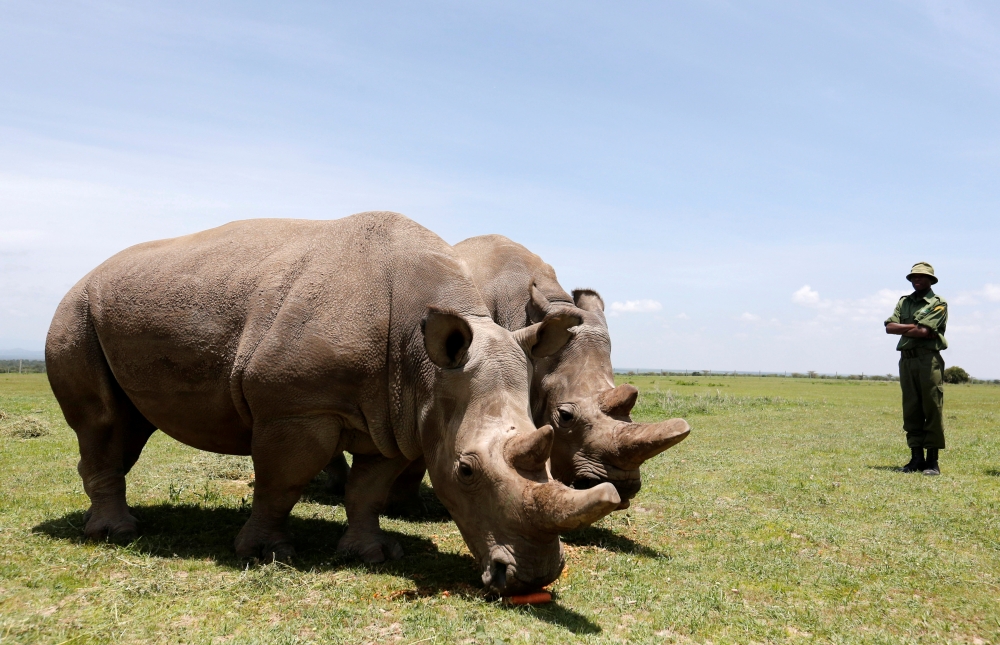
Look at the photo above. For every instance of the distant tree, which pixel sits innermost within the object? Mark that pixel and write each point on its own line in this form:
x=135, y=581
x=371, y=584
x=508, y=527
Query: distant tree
x=956, y=374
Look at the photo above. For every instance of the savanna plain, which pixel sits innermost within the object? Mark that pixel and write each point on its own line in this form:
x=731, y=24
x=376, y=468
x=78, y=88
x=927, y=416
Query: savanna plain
x=780, y=519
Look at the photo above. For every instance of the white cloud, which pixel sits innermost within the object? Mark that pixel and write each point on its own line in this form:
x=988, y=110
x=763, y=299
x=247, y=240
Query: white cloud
x=989, y=292
x=808, y=297
x=749, y=317
x=635, y=306
x=682, y=316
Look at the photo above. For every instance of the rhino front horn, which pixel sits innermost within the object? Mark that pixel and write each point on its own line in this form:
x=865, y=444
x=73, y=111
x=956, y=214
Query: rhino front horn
x=637, y=442
x=530, y=450
x=555, y=508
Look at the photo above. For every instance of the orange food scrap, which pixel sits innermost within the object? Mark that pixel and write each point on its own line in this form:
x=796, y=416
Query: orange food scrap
x=537, y=598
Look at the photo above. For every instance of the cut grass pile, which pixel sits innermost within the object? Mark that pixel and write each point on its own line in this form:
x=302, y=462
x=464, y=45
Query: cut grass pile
x=780, y=519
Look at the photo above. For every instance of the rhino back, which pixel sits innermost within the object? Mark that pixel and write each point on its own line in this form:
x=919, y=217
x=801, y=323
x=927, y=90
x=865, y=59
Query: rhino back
x=211, y=333
x=504, y=272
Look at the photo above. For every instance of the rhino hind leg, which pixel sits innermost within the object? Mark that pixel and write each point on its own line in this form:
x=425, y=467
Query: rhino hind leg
x=286, y=457
x=368, y=487
x=110, y=431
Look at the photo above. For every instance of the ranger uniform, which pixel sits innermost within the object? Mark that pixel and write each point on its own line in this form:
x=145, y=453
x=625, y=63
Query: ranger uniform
x=921, y=371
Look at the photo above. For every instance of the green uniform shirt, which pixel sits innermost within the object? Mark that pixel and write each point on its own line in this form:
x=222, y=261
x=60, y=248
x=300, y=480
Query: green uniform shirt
x=929, y=311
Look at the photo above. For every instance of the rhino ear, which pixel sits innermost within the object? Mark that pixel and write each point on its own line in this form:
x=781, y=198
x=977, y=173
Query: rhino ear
x=547, y=337
x=447, y=337
x=588, y=300
x=538, y=306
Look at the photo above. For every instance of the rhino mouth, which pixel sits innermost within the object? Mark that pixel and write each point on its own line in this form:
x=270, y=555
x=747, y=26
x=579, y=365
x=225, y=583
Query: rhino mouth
x=503, y=576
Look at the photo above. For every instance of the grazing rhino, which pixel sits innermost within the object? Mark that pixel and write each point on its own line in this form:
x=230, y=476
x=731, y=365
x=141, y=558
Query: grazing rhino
x=572, y=389
x=294, y=340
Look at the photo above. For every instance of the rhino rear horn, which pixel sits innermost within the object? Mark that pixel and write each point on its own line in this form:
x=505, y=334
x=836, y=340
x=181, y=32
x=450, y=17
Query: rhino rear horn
x=530, y=450
x=637, y=442
x=588, y=300
x=549, y=336
x=555, y=508
x=618, y=401
x=447, y=337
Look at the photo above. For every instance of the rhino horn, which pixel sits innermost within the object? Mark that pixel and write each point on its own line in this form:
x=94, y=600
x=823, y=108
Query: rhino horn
x=618, y=401
x=553, y=507
x=637, y=442
x=530, y=450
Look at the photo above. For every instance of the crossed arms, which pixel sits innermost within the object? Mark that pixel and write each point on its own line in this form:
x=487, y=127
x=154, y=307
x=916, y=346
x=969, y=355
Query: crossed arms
x=910, y=331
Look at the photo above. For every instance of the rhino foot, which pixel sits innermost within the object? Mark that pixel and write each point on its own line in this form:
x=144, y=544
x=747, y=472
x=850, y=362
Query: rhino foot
x=276, y=548
x=267, y=553
x=120, y=528
x=370, y=548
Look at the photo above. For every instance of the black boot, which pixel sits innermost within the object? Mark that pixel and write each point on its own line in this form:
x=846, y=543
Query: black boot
x=917, y=462
x=931, y=467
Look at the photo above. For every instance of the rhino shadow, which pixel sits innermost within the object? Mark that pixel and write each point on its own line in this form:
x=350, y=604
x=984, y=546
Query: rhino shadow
x=196, y=532
x=426, y=507
x=607, y=539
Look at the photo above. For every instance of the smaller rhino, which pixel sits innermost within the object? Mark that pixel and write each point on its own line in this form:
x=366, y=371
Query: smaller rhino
x=573, y=390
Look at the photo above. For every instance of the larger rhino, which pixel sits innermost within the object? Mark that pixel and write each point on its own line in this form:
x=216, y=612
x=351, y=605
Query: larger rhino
x=294, y=340
x=572, y=389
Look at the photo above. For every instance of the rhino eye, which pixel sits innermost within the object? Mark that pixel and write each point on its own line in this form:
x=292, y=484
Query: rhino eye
x=465, y=470
x=565, y=415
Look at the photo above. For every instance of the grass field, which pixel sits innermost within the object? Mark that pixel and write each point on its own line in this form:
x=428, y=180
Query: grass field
x=780, y=519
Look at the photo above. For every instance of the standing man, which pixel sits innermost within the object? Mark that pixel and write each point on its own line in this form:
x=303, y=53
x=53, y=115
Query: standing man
x=920, y=319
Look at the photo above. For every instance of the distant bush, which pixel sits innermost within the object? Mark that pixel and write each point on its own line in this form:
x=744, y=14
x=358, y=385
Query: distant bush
x=25, y=367
x=956, y=374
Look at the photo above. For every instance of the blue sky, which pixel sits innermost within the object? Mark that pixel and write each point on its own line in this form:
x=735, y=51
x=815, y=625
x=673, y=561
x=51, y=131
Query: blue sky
x=746, y=183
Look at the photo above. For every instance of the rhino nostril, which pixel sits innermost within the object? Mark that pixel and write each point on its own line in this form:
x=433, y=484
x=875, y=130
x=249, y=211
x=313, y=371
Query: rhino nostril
x=584, y=484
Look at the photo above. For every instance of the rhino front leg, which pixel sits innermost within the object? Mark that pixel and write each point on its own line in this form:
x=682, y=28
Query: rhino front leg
x=406, y=489
x=337, y=472
x=368, y=486
x=286, y=457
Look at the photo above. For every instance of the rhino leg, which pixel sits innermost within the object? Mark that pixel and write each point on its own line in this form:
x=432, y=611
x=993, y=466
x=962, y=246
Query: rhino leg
x=368, y=486
x=108, y=450
x=337, y=472
x=405, y=490
x=111, y=432
x=286, y=457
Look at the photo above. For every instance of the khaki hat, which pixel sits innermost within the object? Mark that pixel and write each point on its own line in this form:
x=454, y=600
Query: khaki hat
x=922, y=268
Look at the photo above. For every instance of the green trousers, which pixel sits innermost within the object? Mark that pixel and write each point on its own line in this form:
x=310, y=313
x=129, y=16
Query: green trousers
x=921, y=378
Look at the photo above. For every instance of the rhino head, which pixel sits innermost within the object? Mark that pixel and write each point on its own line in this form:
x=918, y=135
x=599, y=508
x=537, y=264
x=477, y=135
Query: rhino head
x=488, y=461
x=574, y=390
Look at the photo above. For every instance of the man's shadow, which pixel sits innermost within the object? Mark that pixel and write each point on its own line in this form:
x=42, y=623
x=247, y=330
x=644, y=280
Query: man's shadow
x=194, y=532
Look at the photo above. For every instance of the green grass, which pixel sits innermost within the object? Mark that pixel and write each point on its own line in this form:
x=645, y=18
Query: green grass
x=780, y=519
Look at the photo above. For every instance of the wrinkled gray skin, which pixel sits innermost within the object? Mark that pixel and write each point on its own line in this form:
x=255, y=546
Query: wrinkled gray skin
x=295, y=340
x=572, y=389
